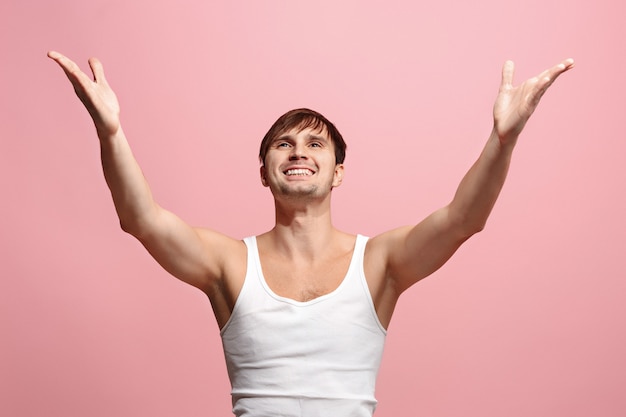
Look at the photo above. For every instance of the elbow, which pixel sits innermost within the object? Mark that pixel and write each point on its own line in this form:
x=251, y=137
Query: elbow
x=467, y=232
x=472, y=228
x=128, y=227
x=461, y=223
x=465, y=221
x=138, y=223
x=132, y=227
x=478, y=227
x=468, y=227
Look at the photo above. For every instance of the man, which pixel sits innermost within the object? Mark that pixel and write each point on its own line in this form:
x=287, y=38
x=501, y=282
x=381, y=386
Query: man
x=303, y=308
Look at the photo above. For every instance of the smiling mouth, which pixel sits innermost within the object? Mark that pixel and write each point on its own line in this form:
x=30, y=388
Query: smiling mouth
x=298, y=172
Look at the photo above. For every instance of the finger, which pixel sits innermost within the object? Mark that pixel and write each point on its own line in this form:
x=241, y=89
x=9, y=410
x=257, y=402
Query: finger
x=547, y=78
x=71, y=69
x=63, y=61
x=567, y=64
x=559, y=69
x=508, y=69
x=550, y=75
x=97, y=69
x=60, y=59
x=53, y=55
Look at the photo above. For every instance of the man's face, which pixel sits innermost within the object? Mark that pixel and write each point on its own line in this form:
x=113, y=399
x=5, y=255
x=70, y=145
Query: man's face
x=301, y=163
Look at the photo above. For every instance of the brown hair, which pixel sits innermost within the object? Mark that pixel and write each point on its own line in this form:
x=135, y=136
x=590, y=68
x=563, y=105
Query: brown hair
x=302, y=119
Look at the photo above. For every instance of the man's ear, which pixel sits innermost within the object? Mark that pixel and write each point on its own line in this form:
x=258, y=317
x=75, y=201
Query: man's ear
x=263, y=173
x=338, y=178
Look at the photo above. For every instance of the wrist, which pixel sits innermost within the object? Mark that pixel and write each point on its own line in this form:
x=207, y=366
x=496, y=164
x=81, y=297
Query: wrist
x=107, y=134
x=509, y=138
x=505, y=143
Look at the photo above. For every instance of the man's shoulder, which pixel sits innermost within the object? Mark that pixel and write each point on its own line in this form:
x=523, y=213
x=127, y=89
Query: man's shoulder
x=222, y=248
x=383, y=242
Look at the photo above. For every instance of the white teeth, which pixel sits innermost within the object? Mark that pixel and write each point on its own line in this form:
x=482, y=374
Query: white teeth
x=298, y=172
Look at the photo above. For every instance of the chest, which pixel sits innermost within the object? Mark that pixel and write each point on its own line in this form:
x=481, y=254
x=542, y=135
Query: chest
x=304, y=281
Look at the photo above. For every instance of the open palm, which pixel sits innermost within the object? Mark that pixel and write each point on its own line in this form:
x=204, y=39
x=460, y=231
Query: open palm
x=98, y=98
x=515, y=104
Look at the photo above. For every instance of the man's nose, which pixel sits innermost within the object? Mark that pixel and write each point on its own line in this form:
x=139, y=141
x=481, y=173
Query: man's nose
x=297, y=152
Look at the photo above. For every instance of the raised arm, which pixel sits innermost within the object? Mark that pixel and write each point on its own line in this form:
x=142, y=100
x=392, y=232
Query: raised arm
x=196, y=256
x=413, y=253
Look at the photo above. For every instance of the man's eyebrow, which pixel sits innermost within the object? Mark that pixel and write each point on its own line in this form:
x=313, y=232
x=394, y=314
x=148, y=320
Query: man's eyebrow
x=317, y=137
x=310, y=136
x=284, y=136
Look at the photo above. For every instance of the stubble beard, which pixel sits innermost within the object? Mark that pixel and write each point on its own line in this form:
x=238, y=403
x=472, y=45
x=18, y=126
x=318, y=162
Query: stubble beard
x=299, y=192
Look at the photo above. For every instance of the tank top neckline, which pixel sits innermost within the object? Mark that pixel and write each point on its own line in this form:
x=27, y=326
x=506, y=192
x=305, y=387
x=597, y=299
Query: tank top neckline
x=351, y=268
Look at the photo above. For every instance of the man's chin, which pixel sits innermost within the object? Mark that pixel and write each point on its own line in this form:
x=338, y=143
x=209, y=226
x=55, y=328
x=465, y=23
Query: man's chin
x=298, y=192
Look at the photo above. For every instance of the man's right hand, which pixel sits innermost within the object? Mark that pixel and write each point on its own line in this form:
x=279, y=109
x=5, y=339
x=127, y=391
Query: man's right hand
x=97, y=96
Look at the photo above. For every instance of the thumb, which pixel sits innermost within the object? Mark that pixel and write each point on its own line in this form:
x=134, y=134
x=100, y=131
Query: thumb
x=98, y=70
x=508, y=69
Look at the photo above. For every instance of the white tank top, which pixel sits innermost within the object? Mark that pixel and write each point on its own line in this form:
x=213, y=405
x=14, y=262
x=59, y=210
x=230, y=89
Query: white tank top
x=287, y=358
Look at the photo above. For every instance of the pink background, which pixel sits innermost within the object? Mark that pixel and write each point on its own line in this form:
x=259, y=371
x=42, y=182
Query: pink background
x=528, y=319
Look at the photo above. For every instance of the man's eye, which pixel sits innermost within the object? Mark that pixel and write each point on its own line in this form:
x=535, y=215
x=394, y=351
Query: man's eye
x=282, y=145
x=316, y=145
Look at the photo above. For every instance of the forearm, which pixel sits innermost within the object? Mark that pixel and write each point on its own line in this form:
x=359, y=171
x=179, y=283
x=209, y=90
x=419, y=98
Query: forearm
x=131, y=193
x=478, y=191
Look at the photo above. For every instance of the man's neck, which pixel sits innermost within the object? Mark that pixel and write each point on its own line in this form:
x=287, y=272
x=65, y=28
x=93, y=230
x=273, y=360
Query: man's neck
x=303, y=230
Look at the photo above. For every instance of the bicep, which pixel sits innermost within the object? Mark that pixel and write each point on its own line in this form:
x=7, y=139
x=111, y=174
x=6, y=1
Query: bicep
x=415, y=252
x=193, y=255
